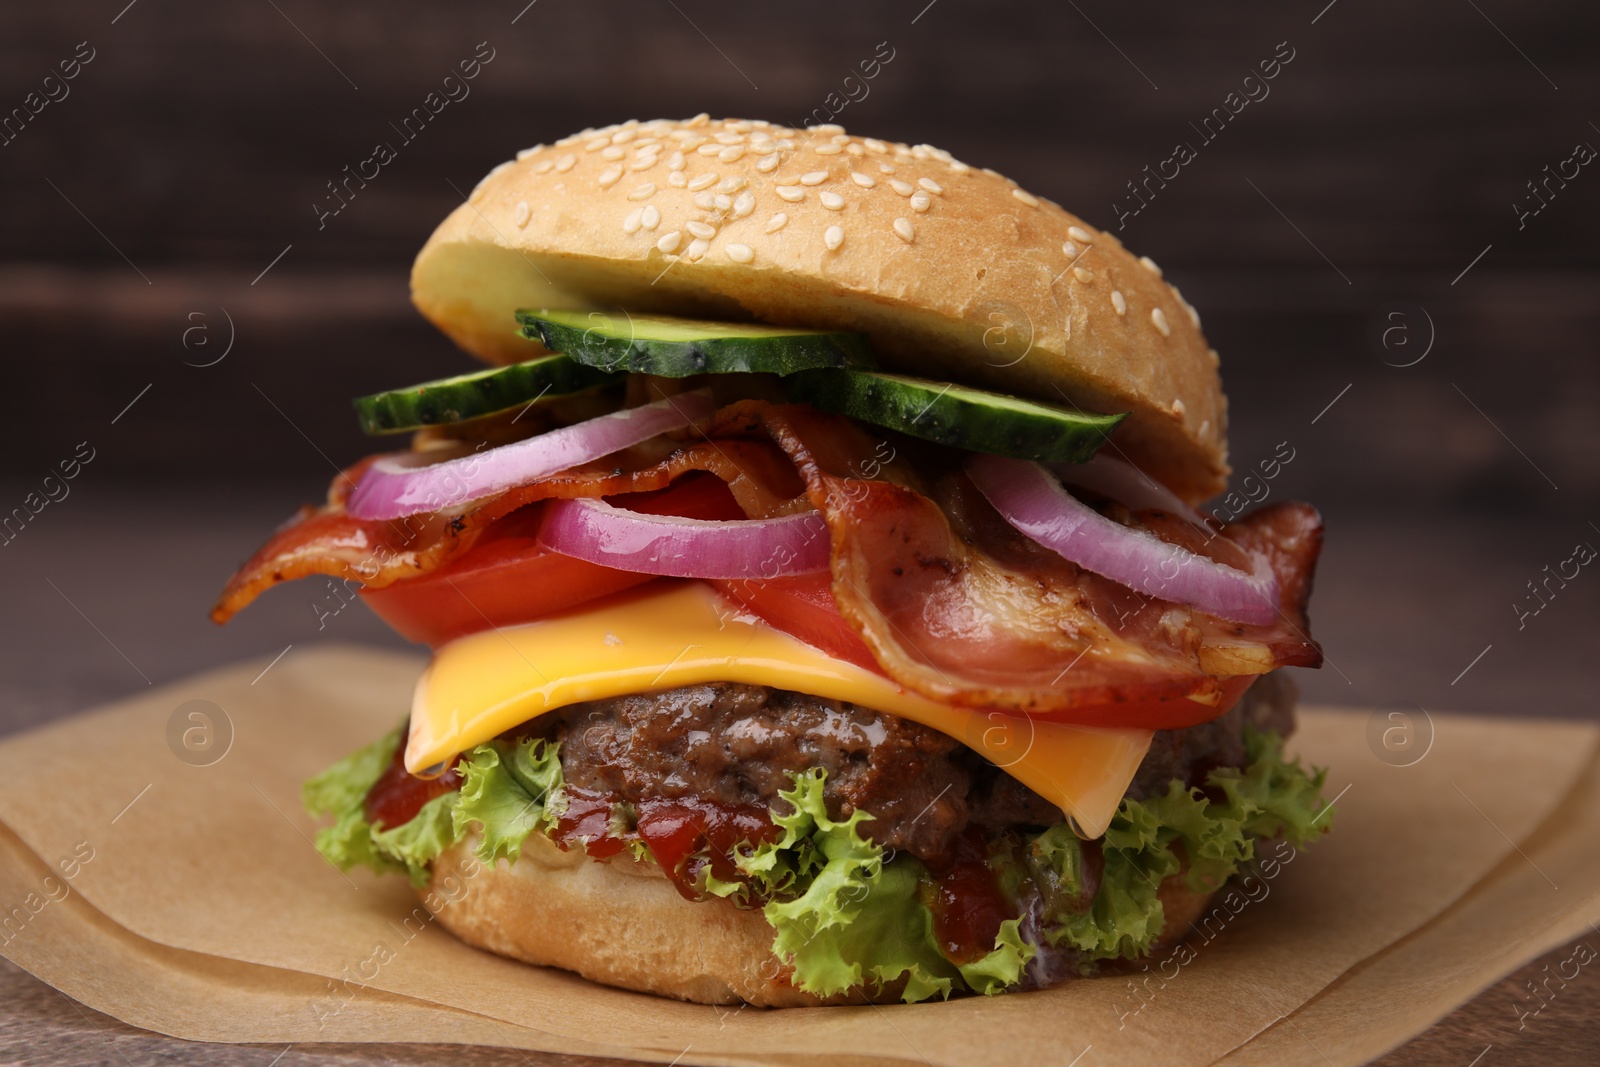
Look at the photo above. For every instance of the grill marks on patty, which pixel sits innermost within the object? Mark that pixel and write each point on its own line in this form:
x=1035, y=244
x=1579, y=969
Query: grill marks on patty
x=736, y=744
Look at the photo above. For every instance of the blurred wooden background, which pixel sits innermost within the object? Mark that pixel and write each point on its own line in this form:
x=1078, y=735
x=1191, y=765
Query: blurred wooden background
x=144, y=207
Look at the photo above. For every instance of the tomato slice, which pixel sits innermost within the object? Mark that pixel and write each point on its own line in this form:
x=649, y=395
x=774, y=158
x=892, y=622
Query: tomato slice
x=505, y=579
x=509, y=578
x=802, y=605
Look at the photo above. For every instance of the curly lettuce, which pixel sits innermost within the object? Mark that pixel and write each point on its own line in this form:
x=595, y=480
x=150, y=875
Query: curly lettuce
x=1212, y=832
x=842, y=915
x=510, y=789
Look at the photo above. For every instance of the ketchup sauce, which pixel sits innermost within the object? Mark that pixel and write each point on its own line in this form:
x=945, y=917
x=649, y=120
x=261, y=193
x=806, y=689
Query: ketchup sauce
x=967, y=905
x=683, y=835
x=397, y=795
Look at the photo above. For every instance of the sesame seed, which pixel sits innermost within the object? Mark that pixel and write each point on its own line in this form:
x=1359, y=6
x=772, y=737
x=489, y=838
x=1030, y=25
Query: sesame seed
x=543, y=166
x=610, y=176
x=701, y=229
x=526, y=152
x=853, y=148
x=815, y=177
x=1178, y=408
x=875, y=145
x=632, y=223
x=866, y=181
x=651, y=218
x=1078, y=233
x=704, y=201
x=832, y=201
x=740, y=253
x=767, y=163
x=1216, y=360
x=902, y=226
x=792, y=193
x=744, y=205
x=776, y=222
x=932, y=186
x=833, y=237
x=677, y=179
x=697, y=248
x=614, y=152
x=1070, y=249
x=522, y=214
x=709, y=149
x=1150, y=265
x=1119, y=302
x=597, y=144
x=624, y=136
x=886, y=168
x=828, y=128
x=566, y=163
x=644, y=162
x=704, y=181
x=1026, y=197
x=644, y=192
x=732, y=184
x=699, y=120
x=1160, y=319
x=1205, y=427
x=669, y=241
x=827, y=149
x=729, y=138
x=903, y=188
x=722, y=202
x=731, y=153
x=1083, y=274
x=675, y=161
x=920, y=201
x=958, y=166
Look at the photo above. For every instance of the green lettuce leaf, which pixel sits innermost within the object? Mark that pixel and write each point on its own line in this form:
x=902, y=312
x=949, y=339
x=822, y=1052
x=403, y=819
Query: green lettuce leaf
x=1150, y=840
x=1001, y=968
x=347, y=844
x=842, y=916
x=352, y=841
x=510, y=789
x=416, y=843
x=345, y=785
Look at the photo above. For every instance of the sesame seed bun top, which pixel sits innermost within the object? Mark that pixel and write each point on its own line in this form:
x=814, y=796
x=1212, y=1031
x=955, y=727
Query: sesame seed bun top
x=956, y=273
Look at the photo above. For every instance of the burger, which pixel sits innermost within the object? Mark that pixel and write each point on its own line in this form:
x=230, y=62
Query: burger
x=819, y=603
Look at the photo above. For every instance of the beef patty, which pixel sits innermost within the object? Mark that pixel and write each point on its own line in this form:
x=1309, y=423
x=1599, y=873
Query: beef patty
x=736, y=744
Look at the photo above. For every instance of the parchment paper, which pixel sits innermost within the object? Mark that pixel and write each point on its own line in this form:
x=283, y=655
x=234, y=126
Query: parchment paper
x=214, y=864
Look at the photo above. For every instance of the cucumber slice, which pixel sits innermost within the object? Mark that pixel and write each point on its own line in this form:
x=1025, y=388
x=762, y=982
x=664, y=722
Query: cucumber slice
x=467, y=396
x=677, y=348
x=956, y=415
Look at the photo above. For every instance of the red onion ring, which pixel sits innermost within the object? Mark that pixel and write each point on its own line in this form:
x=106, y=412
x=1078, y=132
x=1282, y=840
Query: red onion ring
x=1030, y=498
x=595, y=531
x=394, y=486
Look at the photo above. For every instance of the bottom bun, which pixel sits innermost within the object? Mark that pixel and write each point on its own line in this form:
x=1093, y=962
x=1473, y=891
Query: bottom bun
x=620, y=922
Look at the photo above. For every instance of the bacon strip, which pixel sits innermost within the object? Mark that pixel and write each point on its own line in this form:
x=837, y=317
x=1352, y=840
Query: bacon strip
x=952, y=601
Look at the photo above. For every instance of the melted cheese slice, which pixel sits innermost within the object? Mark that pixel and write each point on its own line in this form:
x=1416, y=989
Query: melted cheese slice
x=486, y=683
